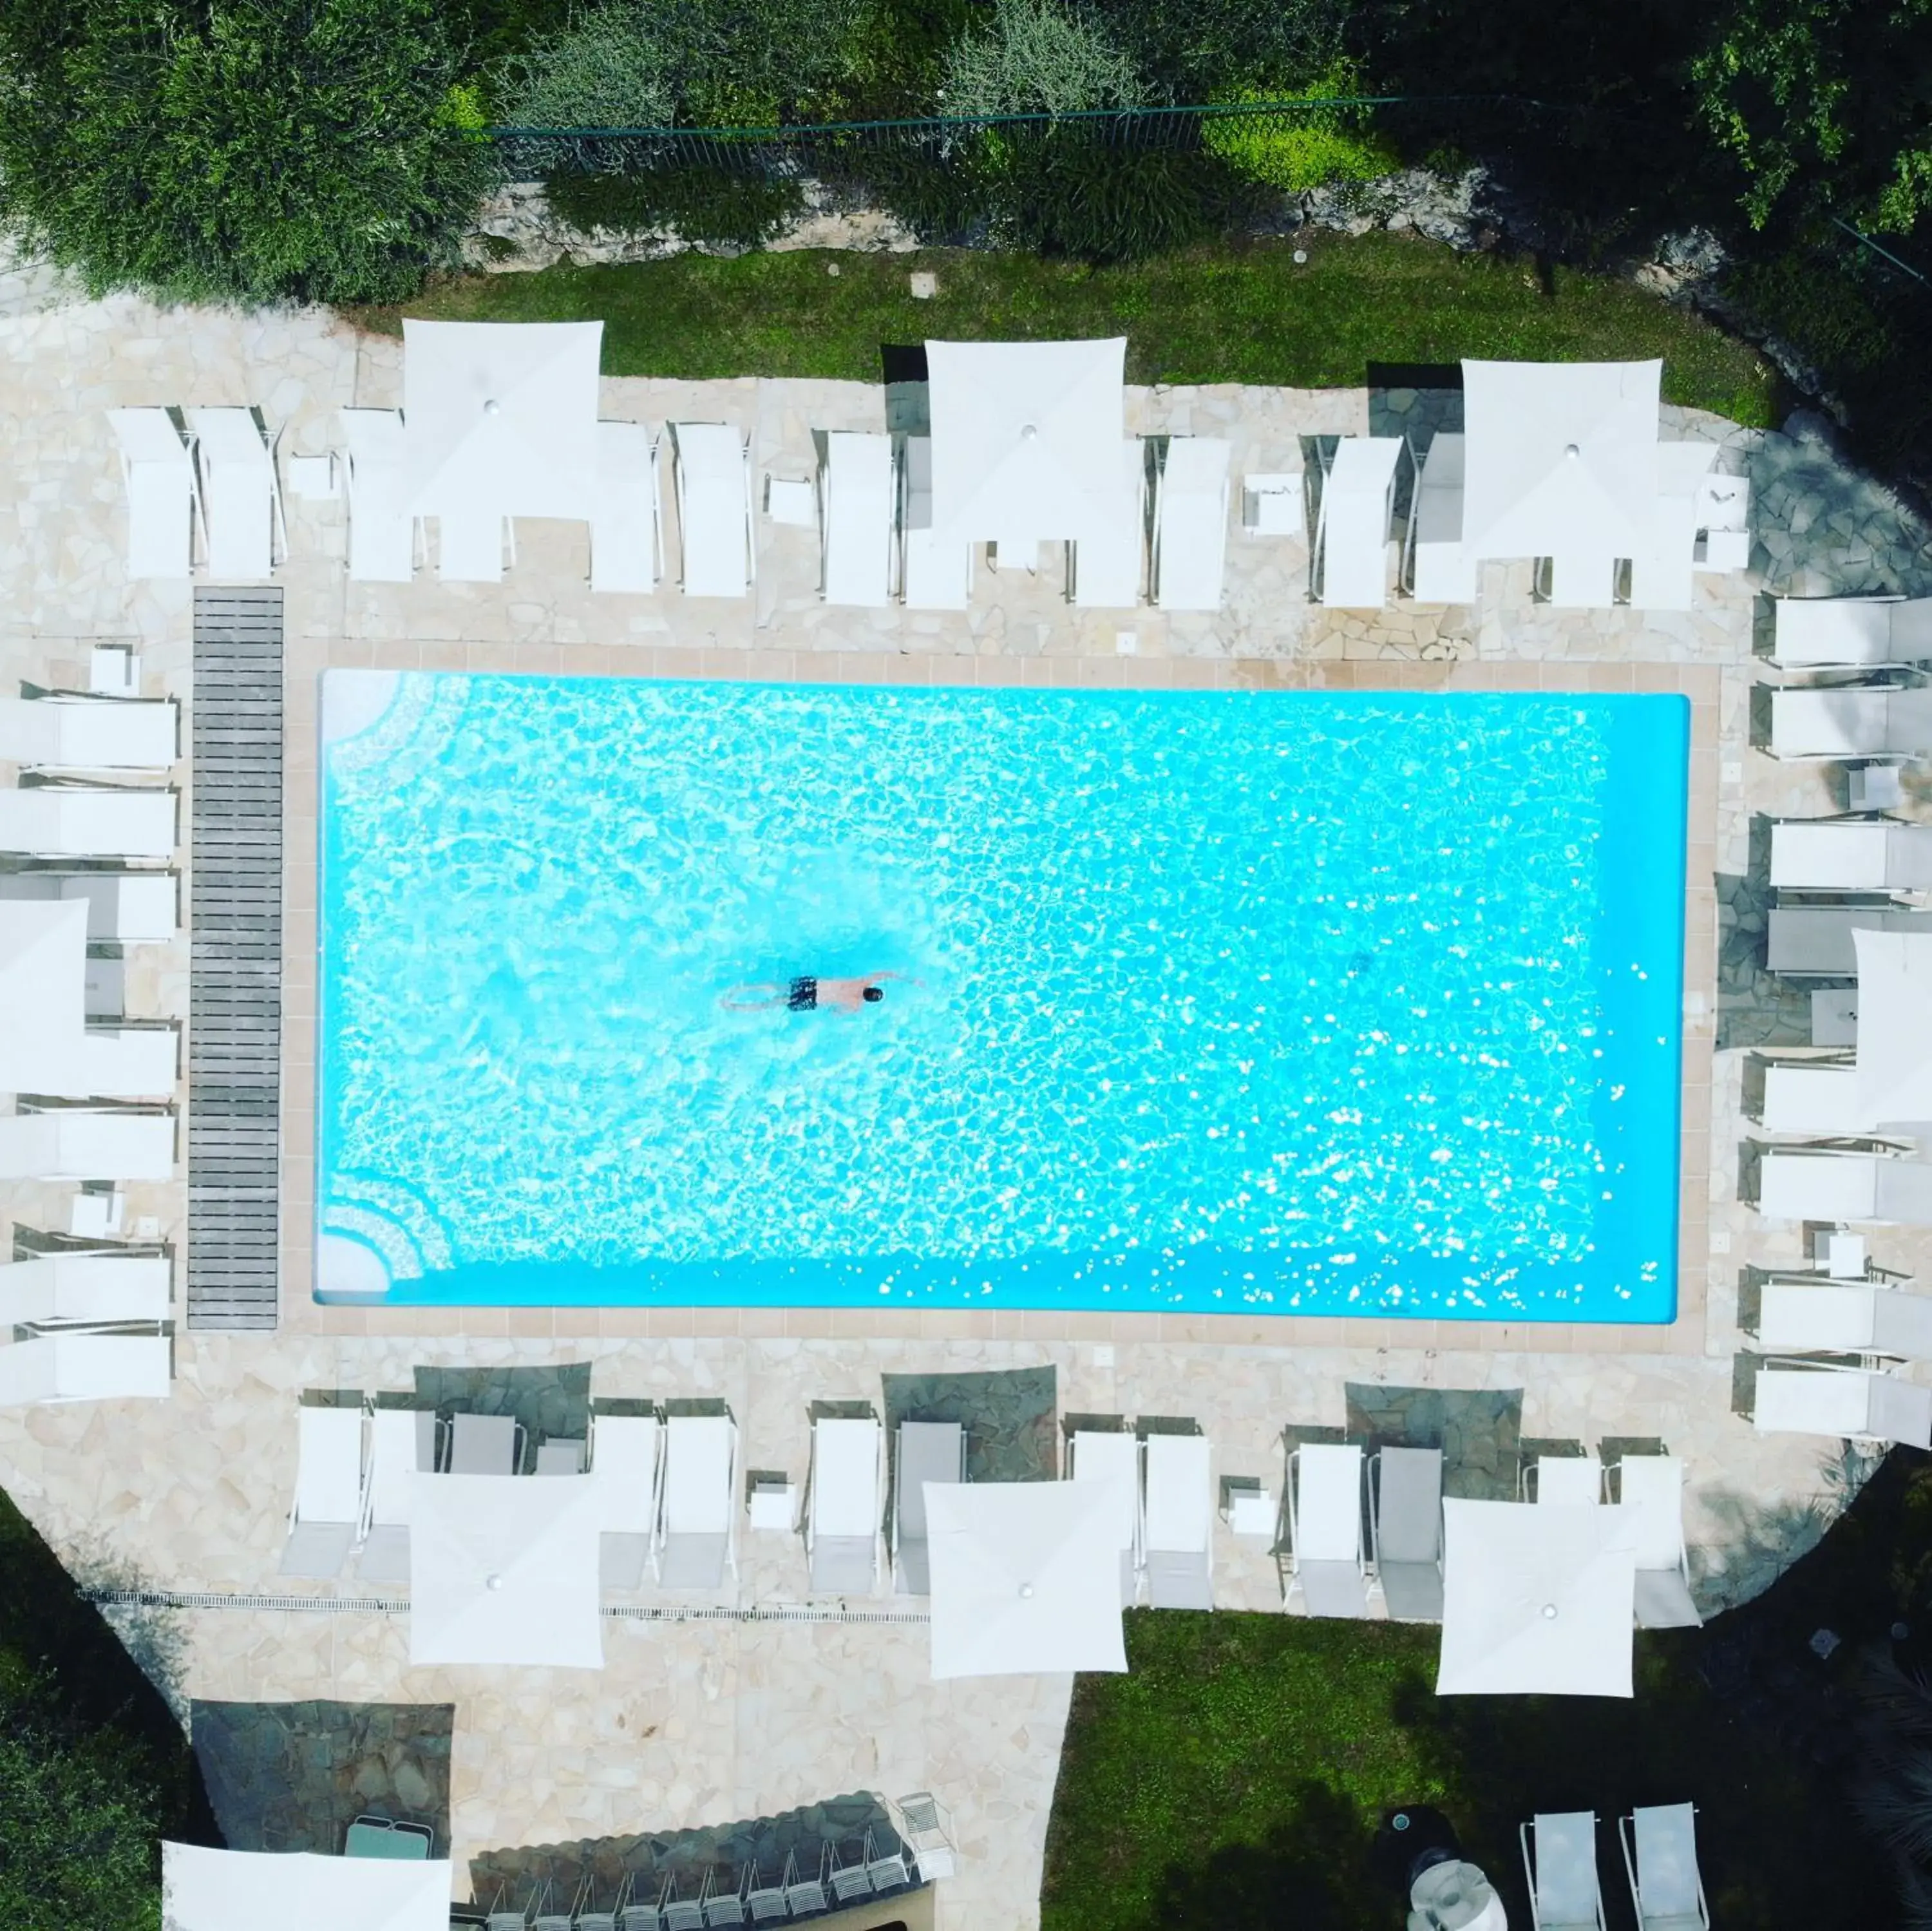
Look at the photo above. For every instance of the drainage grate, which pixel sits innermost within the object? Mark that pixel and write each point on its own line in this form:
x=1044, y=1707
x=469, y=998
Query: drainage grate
x=398, y=1605
x=235, y=987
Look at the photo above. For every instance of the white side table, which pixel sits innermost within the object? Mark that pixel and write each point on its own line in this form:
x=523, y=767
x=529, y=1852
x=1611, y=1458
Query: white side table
x=771, y=1505
x=1834, y=1016
x=1875, y=787
x=1842, y=1256
x=1271, y=504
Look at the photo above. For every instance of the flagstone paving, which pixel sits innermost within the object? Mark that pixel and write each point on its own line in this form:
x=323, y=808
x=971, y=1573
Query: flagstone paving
x=703, y=1721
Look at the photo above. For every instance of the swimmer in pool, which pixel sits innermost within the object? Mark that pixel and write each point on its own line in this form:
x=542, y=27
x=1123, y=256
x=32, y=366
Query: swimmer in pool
x=807, y=994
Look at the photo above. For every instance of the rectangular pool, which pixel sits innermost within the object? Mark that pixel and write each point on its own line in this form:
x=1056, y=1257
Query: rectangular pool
x=1295, y=1003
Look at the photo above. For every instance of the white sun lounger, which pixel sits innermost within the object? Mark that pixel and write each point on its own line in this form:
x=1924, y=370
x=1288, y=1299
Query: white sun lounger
x=241, y=499
x=1564, y=1481
x=1104, y=568
x=163, y=499
x=470, y=549
x=1112, y=1459
x=714, y=508
x=115, y=1063
x=1666, y=1887
x=85, y=1290
x=1663, y=575
x=84, y=1368
x=1845, y=1317
x=1814, y=1186
x=1851, y=723
x=76, y=822
x=1351, y=528
x=123, y=907
x=1651, y=1489
x=1815, y=942
x=1850, y=854
x=698, y=1510
x=1177, y=1521
x=1406, y=1525
x=1854, y=1403
x=402, y=1447
x=1439, y=570
x=78, y=1143
x=936, y=572
x=81, y=733
x=626, y=1458
x=1190, y=522
x=1831, y=632
x=1324, y=1530
x=1579, y=580
x=627, y=531
x=926, y=1451
x=327, y=1508
x=844, y=1523
x=1821, y=1102
x=1559, y=1865
x=383, y=533
x=855, y=520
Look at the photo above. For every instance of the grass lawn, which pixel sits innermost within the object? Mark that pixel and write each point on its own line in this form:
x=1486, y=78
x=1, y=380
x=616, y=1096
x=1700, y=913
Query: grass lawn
x=1236, y=1777
x=1247, y=314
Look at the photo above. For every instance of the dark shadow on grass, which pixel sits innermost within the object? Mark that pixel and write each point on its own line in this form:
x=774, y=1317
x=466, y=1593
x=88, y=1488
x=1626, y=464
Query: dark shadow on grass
x=1306, y=1873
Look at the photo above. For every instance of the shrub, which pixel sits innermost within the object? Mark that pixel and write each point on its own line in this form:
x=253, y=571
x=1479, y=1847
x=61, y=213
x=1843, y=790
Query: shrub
x=250, y=150
x=1071, y=192
x=715, y=204
x=1190, y=50
x=1037, y=56
x=1298, y=151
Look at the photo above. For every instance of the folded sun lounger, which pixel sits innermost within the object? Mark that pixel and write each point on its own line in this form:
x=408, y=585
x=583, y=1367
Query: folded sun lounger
x=84, y=1368
x=1105, y=567
x=470, y=549
x=626, y=533
x=1819, y=1101
x=327, y=1508
x=1855, y=1403
x=1651, y=1489
x=85, y=1290
x=1861, y=632
x=714, y=508
x=844, y=1519
x=1809, y=1185
x=241, y=499
x=626, y=1453
x=123, y=907
x=1564, y=1481
x=1816, y=941
x=926, y=1452
x=77, y=1143
x=1177, y=1521
x=1351, y=527
x=1190, y=522
x=856, y=520
x=1848, y=854
x=81, y=733
x=74, y=821
x=1324, y=1530
x=1844, y=1317
x=402, y=1447
x=1559, y=1865
x=1851, y=723
x=1659, y=1847
x=698, y=1509
x=1113, y=1461
x=1662, y=573
x=1406, y=1521
x=163, y=496
x=383, y=536
x=1439, y=570
x=936, y=571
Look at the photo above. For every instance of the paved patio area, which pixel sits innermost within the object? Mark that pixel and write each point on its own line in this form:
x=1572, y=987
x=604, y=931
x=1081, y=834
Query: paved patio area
x=747, y=1712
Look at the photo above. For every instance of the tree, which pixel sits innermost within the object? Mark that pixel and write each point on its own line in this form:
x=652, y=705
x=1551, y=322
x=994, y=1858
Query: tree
x=245, y=150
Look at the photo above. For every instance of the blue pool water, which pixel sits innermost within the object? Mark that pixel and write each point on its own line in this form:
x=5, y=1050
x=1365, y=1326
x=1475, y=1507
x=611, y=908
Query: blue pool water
x=1296, y=1003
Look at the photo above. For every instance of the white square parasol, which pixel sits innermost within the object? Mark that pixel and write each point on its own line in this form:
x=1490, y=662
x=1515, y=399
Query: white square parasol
x=1895, y=1052
x=243, y=1890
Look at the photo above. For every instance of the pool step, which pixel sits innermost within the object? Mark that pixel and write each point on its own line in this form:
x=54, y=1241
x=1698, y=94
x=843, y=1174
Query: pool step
x=235, y=987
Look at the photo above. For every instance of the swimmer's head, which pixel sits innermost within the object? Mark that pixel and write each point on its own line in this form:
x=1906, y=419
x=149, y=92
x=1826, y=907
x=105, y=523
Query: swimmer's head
x=872, y=995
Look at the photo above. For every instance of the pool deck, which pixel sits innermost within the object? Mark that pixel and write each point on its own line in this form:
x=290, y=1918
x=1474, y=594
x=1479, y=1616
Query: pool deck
x=699, y=1721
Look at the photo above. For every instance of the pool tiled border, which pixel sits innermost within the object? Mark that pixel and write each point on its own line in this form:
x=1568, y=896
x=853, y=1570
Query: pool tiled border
x=301, y=1313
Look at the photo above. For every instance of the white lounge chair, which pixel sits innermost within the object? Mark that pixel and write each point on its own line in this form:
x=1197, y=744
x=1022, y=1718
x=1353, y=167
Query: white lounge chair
x=1818, y=1398
x=1844, y=1317
x=384, y=535
x=1112, y=1460
x=855, y=522
x=935, y=571
x=1663, y=572
x=83, y=734
x=1351, y=527
x=327, y=1508
x=627, y=532
x=1810, y=1184
x=845, y=1515
x=1815, y=942
x=1559, y=1866
x=1406, y=1528
x=1104, y=570
x=123, y=907
x=76, y=822
x=1324, y=1530
x=1439, y=570
x=699, y=1509
x=79, y=1143
x=714, y=508
x=1177, y=1521
x=925, y=1451
x=402, y=1447
x=470, y=549
x=1190, y=522
x=85, y=1290
x=1650, y=1488
x=1834, y=632
x=1564, y=1481
x=1851, y=723
x=1821, y=1102
x=241, y=497
x=164, y=500
x=84, y=1368
x=1666, y=1887
x=1850, y=854
x=626, y=1458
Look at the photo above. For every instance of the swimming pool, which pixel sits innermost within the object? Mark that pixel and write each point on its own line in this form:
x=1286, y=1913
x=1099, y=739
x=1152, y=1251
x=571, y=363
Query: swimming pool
x=1237, y=1002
